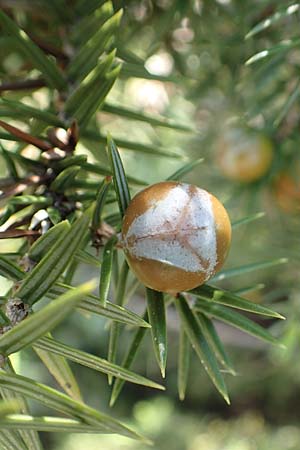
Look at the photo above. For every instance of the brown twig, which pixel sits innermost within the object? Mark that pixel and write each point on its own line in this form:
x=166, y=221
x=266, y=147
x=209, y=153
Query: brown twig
x=64, y=140
x=20, y=85
x=20, y=186
x=73, y=133
x=42, y=145
x=48, y=48
x=18, y=233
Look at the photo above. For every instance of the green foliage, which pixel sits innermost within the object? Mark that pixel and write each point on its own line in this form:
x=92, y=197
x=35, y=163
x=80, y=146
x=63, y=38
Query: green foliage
x=194, y=330
x=33, y=53
x=106, y=269
x=217, y=295
x=119, y=178
x=61, y=402
x=157, y=319
x=184, y=354
x=128, y=360
x=60, y=370
x=28, y=331
x=234, y=319
x=65, y=190
x=93, y=362
x=53, y=263
x=168, y=425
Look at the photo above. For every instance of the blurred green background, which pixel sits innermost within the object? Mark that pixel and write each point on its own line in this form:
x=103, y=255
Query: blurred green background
x=195, y=54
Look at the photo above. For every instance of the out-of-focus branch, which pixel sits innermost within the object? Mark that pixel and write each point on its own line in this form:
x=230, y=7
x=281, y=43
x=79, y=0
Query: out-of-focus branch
x=20, y=85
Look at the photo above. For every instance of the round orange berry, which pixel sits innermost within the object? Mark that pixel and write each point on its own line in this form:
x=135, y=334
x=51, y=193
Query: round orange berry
x=175, y=236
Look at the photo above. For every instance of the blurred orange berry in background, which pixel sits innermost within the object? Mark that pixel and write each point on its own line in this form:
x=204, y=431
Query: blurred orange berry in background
x=243, y=155
x=287, y=190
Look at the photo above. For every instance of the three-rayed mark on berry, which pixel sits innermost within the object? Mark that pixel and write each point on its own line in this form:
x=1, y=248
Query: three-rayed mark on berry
x=173, y=230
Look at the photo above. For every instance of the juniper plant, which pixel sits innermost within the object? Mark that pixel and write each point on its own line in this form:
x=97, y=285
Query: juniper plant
x=63, y=194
